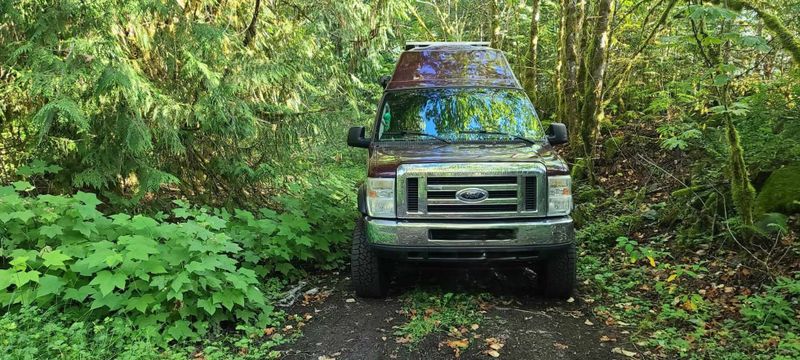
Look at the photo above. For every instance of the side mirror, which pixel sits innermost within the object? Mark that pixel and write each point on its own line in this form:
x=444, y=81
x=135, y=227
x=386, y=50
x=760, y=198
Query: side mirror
x=355, y=137
x=384, y=81
x=557, y=134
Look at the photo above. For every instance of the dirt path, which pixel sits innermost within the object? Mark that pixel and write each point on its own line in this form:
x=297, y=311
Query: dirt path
x=529, y=327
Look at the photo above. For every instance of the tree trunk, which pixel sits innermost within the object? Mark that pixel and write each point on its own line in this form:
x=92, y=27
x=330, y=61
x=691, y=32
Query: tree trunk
x=494, y=24
x=562, y=58
x=592, y=111
x=743, y=192
x=573, y=28
x=251, y=29
x=530, y=71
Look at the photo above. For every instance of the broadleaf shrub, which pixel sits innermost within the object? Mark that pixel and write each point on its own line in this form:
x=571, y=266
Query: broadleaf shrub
x=181, y=274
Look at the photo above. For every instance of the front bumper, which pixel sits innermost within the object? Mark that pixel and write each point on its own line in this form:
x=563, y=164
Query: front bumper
x=445, y=234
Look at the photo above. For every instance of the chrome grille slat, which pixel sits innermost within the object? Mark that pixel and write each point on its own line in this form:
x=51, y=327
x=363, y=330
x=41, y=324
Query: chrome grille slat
x=507, y=185
x=490, y=201
x=490, y=187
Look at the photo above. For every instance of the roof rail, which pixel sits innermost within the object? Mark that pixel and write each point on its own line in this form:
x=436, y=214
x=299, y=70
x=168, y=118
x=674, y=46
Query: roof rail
x=421, y=44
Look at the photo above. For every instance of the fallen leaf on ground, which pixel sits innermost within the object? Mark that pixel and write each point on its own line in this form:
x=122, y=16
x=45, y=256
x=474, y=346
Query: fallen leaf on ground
x=457, y=345
x=350, y=300
x=494, y=343
x=474, y=326
x=560, y=346
x=587, y=322
x=493, y=353
x=622, y=351
x=269, y=331
x=605, y=338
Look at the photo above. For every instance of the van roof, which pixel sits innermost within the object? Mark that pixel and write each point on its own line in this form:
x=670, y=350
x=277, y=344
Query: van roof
x=452, y=65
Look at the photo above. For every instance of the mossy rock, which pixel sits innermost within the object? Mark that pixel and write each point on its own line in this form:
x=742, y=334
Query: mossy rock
x=611, y=147
x=781, y=192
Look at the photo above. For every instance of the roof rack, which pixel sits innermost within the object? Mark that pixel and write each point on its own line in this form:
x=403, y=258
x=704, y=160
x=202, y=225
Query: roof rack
x=422, y=44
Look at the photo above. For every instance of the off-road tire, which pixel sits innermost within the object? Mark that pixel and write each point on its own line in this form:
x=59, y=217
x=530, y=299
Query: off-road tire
x=558, y=274
x=369, y=274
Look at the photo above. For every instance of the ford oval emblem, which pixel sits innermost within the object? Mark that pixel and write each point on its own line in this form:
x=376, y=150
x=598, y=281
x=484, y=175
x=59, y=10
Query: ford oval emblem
x=472, y=195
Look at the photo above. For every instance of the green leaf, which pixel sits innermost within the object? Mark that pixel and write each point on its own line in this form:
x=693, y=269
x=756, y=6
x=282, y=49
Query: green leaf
x=139, y=247
x=721, y=80
x=85, y=228
x=237, y=281
x=107, y=281
x=207, y=305
x=23, y=215
x=22, y=186
x=51, y=231
x=87, y=198
x=225, y=297
x=215, y=223
x=54, y=258
x=180, y=280
x=79, y=294
x=23, y=277
x=284, y=268
x=111, y=301
x=140, y=222
x=304, y=240
x=180, y=330
x=49, y=284
x=140, y=303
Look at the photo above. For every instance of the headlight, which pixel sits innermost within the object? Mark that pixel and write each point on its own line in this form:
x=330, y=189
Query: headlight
x=559, y=195
x=380, y=197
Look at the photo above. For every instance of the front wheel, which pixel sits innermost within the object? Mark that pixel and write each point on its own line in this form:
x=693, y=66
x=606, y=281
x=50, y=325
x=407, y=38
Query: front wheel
x=369, y=273
x=558, y=274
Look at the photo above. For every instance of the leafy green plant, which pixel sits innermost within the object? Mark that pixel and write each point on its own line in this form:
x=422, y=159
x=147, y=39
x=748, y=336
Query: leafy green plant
x=776, y=308
x=182, y=278
x=429, y=312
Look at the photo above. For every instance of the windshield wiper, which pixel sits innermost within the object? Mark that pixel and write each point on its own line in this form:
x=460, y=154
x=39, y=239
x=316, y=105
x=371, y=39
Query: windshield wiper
x=498, y=133
x=403, y=133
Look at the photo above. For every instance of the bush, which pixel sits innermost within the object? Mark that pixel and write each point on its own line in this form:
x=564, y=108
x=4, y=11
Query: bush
x=181, y=274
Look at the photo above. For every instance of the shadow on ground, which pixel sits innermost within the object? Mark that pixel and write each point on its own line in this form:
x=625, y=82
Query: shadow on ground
x=529, y=326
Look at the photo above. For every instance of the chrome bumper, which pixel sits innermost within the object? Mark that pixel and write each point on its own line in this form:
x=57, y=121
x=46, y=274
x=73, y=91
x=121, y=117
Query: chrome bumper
x=545, y=232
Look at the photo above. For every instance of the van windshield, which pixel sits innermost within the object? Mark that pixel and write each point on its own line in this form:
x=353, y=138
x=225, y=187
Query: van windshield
x=459, y=115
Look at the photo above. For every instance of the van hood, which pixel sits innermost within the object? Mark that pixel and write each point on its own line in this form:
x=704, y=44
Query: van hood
x=385, y=158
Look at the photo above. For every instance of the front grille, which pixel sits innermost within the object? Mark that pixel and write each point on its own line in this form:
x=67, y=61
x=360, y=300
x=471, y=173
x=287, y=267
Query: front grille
x=472, y=190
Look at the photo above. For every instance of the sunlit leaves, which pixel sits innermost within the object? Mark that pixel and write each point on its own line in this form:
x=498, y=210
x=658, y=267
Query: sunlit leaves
x=211, y=262
x=49, y=284
x=51, y=231
x=54, y=259
x=106, y=281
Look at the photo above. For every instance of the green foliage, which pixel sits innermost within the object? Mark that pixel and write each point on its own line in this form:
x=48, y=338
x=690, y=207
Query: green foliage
x=181, y=274
x=678, y=135
x=33, y=333
x=776, y=308
x=132, y=98
x=431, y=312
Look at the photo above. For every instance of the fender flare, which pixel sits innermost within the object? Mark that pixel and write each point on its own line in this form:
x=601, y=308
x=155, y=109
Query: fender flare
x=362, y=199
